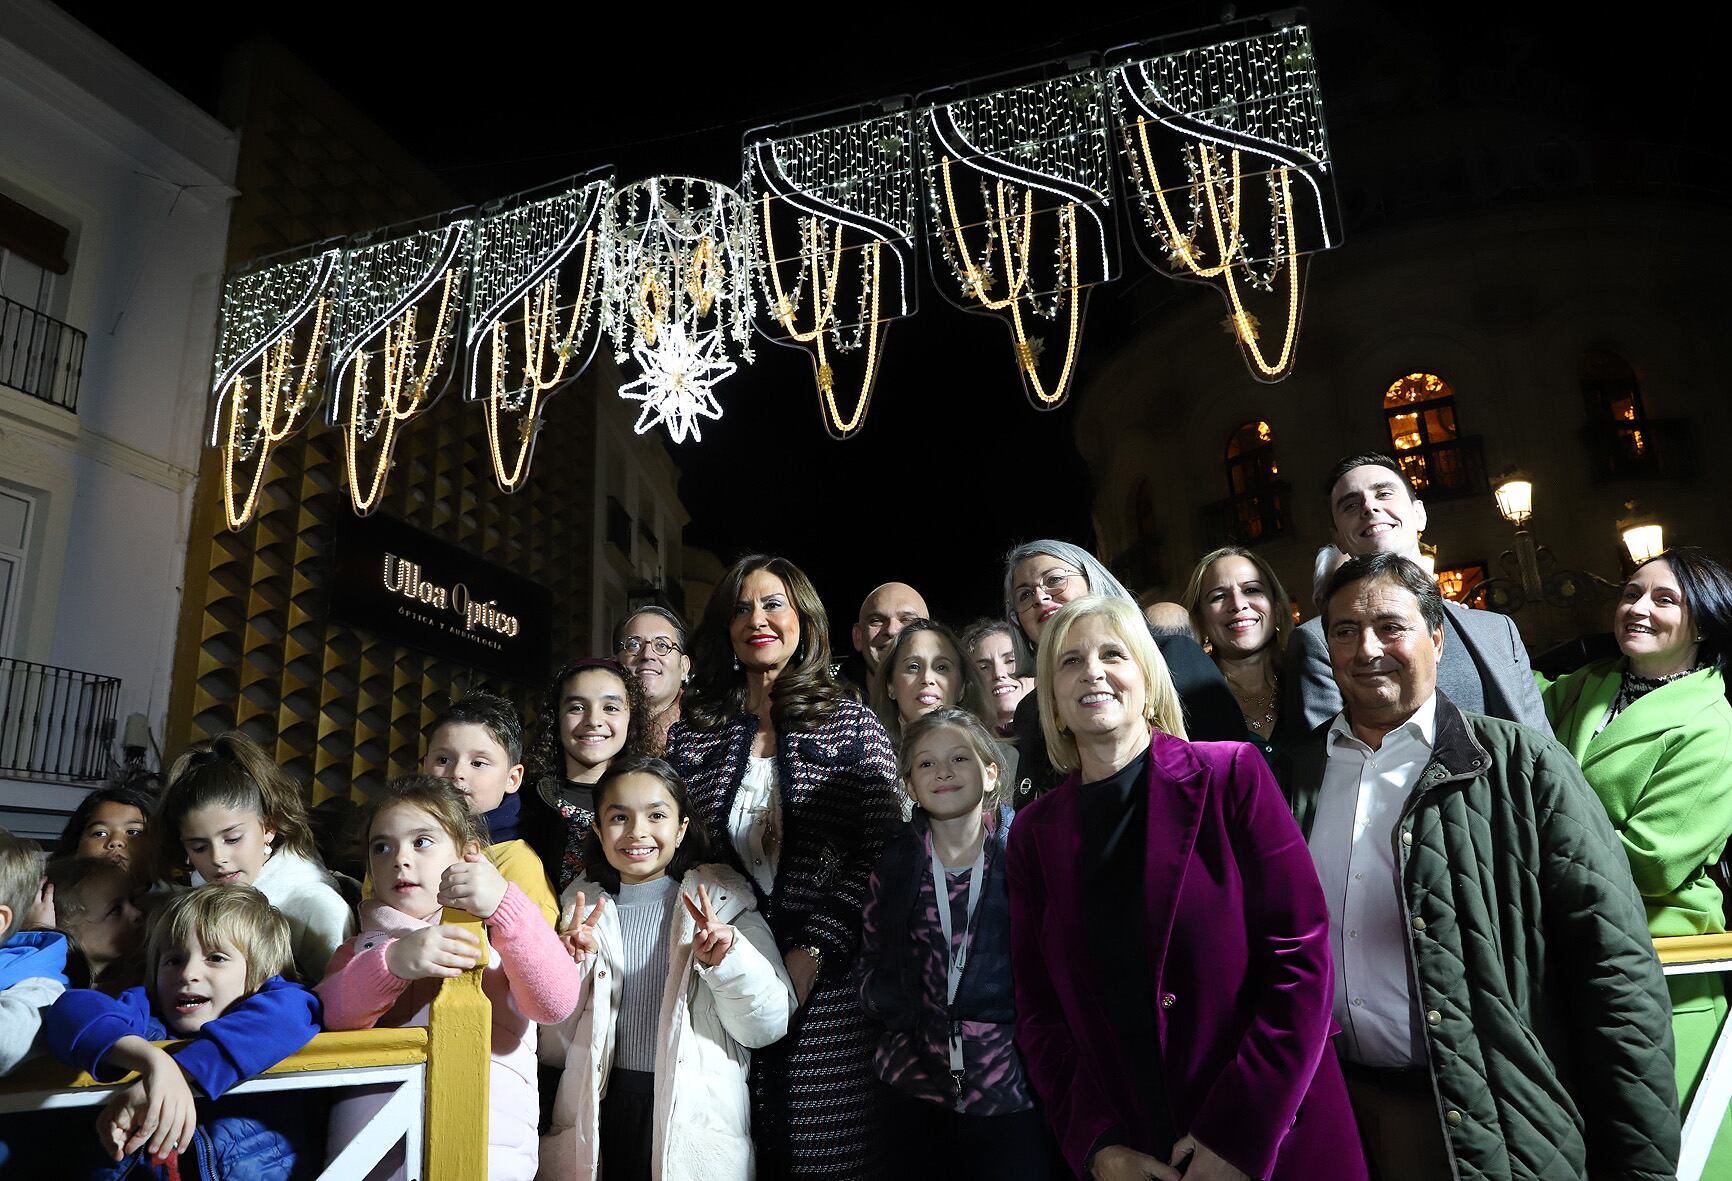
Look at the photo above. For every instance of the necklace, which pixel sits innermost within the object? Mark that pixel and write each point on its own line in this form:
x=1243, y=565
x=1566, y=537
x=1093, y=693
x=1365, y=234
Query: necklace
x=1258, y=710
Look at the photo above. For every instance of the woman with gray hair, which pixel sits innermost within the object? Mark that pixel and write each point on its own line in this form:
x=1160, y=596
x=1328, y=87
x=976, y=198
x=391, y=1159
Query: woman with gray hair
x=1042, y=576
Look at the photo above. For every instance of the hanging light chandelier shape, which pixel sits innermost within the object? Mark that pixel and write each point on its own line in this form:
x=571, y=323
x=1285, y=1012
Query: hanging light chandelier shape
x=532, y=298
x=676, y=295
x=403, y=292
x=277, y=315
x=1019, y=190
x=1225, y=147
x=835, y=210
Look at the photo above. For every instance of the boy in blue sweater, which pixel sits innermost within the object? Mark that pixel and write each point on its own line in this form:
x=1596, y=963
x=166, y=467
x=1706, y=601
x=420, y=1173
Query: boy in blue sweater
x=214, y=958
x=32, y=963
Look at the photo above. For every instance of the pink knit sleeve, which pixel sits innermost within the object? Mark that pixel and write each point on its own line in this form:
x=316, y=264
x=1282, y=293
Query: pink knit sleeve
x=545, y=982
x=358, y=988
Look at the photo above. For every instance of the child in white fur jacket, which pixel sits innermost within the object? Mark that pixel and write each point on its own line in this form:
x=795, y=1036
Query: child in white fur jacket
x=682, y=941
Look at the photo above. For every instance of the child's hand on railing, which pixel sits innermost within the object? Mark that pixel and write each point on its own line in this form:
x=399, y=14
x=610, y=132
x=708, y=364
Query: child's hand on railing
x=156, y=1112
x=713, y=938
x=473, y=885
x=444, y=950
x=580, y=939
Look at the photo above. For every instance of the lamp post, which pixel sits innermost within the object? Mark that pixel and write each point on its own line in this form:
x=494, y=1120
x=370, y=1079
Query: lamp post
x=1515, y=500
x=1530, y=572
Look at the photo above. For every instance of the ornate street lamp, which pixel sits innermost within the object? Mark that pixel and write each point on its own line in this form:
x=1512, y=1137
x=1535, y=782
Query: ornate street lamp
x=1530, y=571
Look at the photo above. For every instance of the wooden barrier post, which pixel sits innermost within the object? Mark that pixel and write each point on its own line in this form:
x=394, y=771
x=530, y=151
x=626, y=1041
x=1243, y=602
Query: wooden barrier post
x=459, y=1055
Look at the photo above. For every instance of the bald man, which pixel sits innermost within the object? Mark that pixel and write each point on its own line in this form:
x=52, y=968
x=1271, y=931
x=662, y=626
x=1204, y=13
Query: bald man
x=1169, y=619
x=885, y=612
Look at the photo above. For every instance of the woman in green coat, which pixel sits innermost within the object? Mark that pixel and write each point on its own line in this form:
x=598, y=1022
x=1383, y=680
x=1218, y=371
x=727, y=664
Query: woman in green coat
x=1652, y=729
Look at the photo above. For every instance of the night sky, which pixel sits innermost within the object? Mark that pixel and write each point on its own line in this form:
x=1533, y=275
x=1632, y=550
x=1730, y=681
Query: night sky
x=953, y=465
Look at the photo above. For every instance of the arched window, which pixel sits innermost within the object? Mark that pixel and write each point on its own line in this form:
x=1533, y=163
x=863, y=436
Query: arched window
x=1256, y=504
x=1626, y=443
x=1423, y=432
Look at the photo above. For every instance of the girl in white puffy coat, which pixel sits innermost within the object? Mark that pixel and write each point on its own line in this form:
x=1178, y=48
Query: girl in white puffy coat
x=682, y=980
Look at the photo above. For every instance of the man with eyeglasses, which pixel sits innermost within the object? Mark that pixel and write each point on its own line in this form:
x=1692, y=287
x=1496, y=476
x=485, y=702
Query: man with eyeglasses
x=652, y=645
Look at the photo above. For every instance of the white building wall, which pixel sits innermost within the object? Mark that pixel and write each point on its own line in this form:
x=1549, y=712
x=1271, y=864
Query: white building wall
x=143, y=180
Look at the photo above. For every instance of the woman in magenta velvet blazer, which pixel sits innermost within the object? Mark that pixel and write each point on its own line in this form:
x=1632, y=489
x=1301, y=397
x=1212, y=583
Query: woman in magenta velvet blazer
x=1170, y=940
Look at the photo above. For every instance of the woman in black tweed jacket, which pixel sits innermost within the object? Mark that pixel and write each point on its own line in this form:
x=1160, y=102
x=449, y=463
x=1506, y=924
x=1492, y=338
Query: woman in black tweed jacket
x=797, y=782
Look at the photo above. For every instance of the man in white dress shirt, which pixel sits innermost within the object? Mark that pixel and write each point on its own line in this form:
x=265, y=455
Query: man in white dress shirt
x=1501, y=1009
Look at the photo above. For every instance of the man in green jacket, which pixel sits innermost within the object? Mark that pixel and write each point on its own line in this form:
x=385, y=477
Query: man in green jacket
x=1502, y=1012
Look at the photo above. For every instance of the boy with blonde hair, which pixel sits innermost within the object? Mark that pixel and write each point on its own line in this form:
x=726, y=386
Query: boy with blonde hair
x=214, y=959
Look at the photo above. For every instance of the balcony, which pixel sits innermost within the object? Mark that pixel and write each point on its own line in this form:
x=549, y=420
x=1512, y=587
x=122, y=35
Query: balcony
x=39, y=355
x=56, y=724
x=1446, y=470
x=1654, y=449
x=1251, y=517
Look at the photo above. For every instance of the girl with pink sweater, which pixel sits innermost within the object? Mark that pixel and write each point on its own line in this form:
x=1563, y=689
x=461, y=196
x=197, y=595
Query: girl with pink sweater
x=424, y=850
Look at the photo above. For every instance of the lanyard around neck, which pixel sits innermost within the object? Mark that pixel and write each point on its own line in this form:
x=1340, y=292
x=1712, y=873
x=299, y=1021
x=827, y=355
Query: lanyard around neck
x=956, y=957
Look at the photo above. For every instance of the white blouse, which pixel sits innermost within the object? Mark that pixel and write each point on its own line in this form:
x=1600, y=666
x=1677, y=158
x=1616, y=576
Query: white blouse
x=756, y=822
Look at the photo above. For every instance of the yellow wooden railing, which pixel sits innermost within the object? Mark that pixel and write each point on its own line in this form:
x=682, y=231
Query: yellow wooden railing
x=1686, y=955
x=455, y=1049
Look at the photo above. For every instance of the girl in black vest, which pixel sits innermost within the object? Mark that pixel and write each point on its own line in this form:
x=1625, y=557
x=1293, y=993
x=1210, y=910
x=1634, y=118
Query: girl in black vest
x=935, y=967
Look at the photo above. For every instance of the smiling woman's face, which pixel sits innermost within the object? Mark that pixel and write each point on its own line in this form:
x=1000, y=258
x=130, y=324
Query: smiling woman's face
x=1039, y=585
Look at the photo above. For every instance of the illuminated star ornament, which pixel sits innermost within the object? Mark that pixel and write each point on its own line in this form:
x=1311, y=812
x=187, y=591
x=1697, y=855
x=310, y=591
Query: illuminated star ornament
x=677, y=294
x=678, y=372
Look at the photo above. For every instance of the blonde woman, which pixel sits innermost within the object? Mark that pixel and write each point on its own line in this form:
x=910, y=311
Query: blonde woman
x=1191, y=850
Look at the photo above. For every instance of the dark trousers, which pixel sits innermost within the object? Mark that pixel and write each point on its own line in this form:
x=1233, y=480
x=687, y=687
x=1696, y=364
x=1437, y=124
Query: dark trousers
x=934, y=1143
x=1398, y=1123
x=627, y=1121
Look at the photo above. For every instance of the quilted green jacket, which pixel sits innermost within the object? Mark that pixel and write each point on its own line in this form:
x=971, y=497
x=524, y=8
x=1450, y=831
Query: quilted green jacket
x=1546, y=1017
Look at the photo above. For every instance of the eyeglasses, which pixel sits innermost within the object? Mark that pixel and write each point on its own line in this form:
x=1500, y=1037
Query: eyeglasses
x=1052, y=582
x=634, y=645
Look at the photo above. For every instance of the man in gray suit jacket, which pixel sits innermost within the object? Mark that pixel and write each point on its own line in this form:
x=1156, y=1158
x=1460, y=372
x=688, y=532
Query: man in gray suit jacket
x=1484, y=666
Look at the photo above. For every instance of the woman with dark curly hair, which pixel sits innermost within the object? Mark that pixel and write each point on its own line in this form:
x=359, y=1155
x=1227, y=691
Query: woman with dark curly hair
x=592, y=713
x=797, y=780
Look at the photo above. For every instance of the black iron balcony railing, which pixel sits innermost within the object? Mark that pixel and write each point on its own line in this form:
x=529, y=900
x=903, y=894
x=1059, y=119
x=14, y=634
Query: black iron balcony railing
x=1440, y=471
x=55, y=723
x=1653, y=449
x=39, y=355
x=1250, y=518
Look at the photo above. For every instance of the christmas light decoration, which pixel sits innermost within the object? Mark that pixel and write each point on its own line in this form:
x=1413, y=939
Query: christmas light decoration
x=402, y=297
x=1213, y=135
x=270, y=364
x=841, y=265
x=536, y=270
x=1009, y=167
x=676, y=291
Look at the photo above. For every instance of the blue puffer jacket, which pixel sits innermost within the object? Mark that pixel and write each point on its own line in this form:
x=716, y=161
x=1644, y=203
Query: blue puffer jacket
x=254, y=1138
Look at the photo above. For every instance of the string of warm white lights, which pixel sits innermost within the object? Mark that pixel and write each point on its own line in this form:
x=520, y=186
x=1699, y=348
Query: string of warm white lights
x=533, y=311
x=1251, y=101
x=1018, y=183
x=853, y=179
x=385, y=369
x=1038, y=154
x=276, y=324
